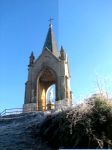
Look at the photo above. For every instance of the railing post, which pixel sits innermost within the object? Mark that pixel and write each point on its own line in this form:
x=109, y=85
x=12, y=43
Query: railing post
x=5, y=111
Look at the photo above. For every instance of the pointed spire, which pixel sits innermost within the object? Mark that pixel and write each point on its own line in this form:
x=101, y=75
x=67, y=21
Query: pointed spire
x=31, y=59
x=62, y=53
x=50, y=41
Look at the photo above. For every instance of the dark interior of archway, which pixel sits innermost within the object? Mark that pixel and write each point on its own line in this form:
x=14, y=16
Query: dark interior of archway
x=47, y=76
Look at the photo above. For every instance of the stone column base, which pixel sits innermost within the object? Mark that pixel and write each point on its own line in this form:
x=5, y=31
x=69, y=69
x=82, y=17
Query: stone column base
x=63, y=104
x=30, y=107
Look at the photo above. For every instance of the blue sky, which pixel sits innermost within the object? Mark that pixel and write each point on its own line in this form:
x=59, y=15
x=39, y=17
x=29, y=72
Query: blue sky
x=83, y=27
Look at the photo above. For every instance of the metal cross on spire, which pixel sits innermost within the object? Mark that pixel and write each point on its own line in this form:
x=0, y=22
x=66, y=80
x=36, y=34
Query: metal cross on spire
x=50, y=20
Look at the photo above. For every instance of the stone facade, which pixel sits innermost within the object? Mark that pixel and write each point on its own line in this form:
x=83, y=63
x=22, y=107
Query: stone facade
x=51, y=67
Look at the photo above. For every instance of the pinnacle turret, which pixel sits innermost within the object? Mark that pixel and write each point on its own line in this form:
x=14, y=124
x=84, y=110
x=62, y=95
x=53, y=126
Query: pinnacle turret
x=62, y=53
x=31, y=59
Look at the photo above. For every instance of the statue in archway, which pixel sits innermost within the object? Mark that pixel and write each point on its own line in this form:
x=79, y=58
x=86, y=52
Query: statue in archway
x=50, y=96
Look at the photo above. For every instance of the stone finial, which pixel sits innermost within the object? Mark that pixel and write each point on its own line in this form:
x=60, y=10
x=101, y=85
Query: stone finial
x=31, y=59
x=62, y=54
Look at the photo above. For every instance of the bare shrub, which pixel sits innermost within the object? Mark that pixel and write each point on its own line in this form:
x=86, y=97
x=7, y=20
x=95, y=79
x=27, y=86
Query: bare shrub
x=88, y=125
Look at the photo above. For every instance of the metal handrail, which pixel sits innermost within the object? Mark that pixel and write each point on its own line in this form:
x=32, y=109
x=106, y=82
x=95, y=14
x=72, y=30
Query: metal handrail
x=11, y=111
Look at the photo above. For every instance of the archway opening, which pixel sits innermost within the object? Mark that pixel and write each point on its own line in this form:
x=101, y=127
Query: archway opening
x=46, y=88
x=51, y=97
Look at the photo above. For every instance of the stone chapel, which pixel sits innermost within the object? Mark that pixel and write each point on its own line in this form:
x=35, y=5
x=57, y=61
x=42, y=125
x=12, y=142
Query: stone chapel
x=50, y=68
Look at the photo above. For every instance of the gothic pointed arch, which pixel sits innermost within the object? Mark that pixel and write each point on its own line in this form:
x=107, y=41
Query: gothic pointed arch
x=46, y=77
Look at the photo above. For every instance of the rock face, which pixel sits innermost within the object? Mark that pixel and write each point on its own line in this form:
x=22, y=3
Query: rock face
x=17, y=132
